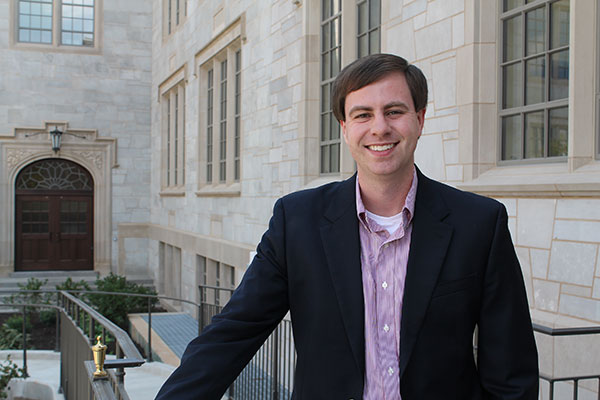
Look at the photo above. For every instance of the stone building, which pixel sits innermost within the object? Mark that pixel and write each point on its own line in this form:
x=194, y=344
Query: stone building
x=225, y=108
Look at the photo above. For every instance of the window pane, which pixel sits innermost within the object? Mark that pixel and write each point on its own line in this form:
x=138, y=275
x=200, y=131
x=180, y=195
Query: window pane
x=510, y=4
x=36, y=36
x=47, y=10
x=512, y=85
x=534, y=85
x=325, y=159
x=67, y=38
x=36, y=9
x=335, y=127
x=559, y=75
x=24, y=8
x=47, y=23
x=46, y=37
x=24, y=21
x=534, y=134
x=325, y=98
x=78, y=25
x=67, y=11
x=335, y=33
x=536, y=31
x=77, y=12
x=36, y=21
x=374, y=14
x=374, y=42
x=23, y=35
x=336, y=62
x=511, y=137
x=559, y=30
x=363, y=45
x=559, y=127
x=335, y=157
x=88, y=25
x=325, y=135
x=325, y=38
x=362, y=17
x=325, y=9
x=336, y=6
x=513, y=38
x=67, y=24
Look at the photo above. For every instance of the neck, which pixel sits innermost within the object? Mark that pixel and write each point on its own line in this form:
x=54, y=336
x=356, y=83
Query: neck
x=385, y=197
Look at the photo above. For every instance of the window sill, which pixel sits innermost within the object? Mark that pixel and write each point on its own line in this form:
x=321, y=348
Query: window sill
x=172, y=192
x=220, y=190
x=541, y=180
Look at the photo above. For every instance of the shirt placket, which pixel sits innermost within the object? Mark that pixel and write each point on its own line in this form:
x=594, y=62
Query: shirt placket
x=386, y=332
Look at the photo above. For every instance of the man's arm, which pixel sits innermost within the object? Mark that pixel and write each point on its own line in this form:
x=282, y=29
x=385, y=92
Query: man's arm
x=213, y=360
x=507, y=355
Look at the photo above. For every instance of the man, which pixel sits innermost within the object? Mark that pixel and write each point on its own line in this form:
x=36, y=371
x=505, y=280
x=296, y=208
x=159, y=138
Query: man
x=386, y=275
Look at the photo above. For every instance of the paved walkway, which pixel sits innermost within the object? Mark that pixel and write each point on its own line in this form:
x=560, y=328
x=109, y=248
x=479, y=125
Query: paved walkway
x=43, y=366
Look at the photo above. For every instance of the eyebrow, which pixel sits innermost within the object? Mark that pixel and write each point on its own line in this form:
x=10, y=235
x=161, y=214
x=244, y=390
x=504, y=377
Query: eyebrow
x=386, y=107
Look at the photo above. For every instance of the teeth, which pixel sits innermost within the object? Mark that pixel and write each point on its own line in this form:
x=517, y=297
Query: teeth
x=382, y=147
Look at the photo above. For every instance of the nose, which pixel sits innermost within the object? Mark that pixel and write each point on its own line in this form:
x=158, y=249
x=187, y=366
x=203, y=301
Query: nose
x=379, y=124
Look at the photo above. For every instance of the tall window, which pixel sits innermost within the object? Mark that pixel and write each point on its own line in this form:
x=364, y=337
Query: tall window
x=209, y=127
x=369, y=22
x=173, y=136
x=174, y=12
x=221, y=84
x=72, y=19
x=331, y=63
x=365, y=27
x=223, y=124
x=535, y=79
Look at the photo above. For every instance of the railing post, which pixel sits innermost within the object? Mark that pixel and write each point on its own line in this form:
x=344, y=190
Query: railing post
x=201, y=311
x=25, y=374
x=149, y=330
x=275, y=363
x=551, y=395
x=57, y=324
x=575, y=388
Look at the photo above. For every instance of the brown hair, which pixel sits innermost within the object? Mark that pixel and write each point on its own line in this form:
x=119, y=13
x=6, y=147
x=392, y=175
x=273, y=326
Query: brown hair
x=370, y=69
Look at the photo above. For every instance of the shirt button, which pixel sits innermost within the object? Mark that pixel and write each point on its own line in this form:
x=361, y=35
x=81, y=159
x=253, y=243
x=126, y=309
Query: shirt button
x=384, y=285
x=386, y=328
x=391, y=371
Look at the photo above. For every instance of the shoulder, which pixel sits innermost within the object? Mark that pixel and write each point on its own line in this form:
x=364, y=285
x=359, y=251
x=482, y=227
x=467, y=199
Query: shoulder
x=321, y=197
x=457, y=200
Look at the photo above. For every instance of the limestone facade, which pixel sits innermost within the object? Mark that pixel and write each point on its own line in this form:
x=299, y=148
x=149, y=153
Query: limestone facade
x=100, y=94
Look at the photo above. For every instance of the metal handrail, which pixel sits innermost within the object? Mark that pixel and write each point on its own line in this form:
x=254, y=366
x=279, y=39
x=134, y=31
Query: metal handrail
x=546, y=330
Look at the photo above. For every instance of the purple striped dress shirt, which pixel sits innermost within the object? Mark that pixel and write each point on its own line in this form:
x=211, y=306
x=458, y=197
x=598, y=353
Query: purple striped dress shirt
x=383, y=258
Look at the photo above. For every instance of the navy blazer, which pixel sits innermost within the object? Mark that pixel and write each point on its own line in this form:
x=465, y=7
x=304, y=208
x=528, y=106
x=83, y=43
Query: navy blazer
x=462, y=272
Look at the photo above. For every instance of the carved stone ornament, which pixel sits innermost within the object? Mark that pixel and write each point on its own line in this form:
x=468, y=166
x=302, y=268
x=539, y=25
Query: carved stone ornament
x=94, y=157
x=15, y=156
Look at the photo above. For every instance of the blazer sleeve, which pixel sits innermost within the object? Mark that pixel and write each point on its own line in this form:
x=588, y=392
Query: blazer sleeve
x=213, y=360
x=507, y=356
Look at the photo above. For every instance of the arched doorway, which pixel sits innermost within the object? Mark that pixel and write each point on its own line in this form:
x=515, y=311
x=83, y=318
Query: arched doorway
x=54, y=207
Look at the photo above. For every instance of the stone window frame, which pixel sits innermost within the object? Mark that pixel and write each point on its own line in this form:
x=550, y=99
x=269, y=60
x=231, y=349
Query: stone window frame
x=225, y=163
x=478, y=111
x=172, y=113
x=174, y=14
x=547, y=106
x=56, y=45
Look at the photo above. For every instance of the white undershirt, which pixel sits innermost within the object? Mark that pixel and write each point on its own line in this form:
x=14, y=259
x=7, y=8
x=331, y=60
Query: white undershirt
x=390, y=224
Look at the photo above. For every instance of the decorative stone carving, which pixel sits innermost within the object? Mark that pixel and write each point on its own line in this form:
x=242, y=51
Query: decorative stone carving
x=15, y=156
x=94, y=157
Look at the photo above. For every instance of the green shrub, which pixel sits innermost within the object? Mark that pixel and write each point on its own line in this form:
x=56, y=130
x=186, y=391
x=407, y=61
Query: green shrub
x=10, y=338
x=115, y=307
x=16, y=322
x=30, y=298
x=8, y=370
x=48, y=316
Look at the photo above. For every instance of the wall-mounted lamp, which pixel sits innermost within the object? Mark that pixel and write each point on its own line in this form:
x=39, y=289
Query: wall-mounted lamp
x=55, y=137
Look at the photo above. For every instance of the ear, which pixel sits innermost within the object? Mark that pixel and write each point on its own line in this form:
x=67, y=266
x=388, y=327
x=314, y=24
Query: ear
x=343, y=125
x=421, y=119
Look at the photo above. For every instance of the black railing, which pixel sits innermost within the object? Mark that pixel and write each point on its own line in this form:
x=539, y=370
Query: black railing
x=270, y=373
x=575, y=379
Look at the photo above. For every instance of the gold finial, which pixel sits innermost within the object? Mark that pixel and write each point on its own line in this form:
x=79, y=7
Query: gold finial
x=99, y=350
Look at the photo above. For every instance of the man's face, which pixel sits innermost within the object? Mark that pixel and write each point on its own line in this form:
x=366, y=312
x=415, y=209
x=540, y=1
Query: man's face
x=382, y=128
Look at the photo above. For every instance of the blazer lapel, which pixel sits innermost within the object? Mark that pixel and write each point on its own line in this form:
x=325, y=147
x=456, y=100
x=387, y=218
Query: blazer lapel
x=341, y=242
x=429, y=242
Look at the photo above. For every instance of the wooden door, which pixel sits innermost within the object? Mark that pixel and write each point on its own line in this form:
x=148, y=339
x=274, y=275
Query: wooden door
x=54, y=217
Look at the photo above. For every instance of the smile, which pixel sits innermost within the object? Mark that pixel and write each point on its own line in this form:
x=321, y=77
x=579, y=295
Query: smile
x=380, y=147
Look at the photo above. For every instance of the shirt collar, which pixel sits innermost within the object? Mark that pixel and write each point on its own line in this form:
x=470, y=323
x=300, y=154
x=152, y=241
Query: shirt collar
x=409, y=203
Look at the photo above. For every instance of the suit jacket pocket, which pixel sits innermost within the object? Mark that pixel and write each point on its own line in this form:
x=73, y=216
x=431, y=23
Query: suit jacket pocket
x=444, y=288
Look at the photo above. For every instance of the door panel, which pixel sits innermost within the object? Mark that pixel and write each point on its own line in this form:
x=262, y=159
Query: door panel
x=54, y=232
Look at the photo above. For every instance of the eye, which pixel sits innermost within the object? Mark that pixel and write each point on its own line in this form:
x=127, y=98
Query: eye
x=395, y=112
x=361, y=116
